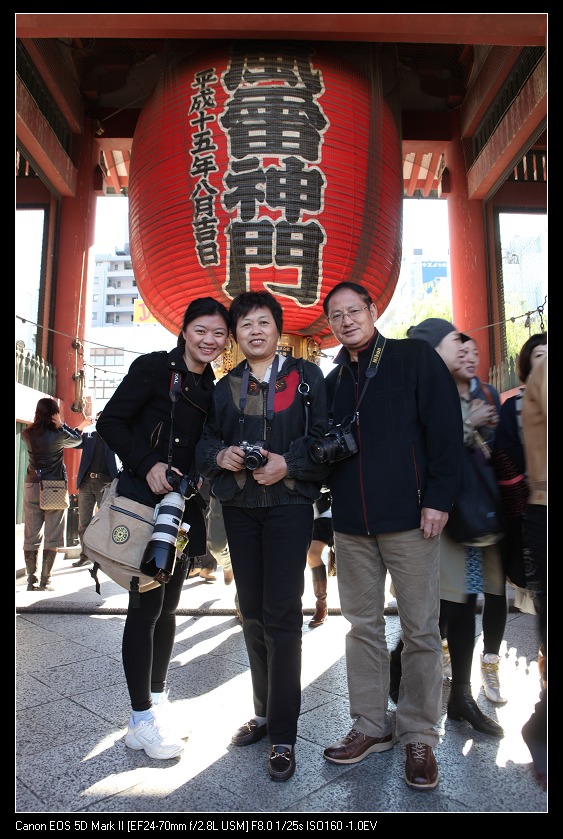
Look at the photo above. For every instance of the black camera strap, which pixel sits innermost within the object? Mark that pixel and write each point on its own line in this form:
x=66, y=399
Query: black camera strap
x=371, y=372
x=304, y=389
x=175, y=394
x=271, y=385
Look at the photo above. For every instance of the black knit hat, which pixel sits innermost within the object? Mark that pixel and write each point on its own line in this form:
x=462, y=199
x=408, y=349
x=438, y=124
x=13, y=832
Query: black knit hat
x=432, y=330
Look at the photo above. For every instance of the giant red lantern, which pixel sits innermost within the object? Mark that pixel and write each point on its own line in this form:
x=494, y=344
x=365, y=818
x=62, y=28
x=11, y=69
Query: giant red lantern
x=272, y=166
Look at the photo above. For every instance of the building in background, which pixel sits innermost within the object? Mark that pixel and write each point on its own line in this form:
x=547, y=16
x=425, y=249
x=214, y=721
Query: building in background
x=120, y=327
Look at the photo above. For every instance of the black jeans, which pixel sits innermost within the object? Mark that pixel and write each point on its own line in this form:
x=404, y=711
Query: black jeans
x=268, y=548
x=148, y=639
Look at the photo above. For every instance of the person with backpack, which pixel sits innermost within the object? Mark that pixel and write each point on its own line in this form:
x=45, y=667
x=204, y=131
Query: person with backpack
x=136, y=425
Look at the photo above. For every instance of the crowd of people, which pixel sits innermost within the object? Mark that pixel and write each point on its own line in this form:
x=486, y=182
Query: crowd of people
x=285, y=459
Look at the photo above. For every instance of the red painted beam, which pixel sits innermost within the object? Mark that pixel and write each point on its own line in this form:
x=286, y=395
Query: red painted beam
x=508, y=28
x=40, y=142
x=508, y=141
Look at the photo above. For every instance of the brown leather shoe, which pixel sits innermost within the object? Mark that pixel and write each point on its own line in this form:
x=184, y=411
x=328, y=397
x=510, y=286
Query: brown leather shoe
x=355, y=746
x=421, y=769
x=249, y=733
x=281, y=763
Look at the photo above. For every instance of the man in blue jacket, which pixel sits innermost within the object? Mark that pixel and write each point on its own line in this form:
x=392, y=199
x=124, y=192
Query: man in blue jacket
x=98, y=468
x=396, y=474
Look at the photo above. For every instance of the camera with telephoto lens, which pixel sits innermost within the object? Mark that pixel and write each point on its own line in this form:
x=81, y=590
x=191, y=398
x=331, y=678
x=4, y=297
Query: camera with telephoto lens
x=337, y=444
x=183, y=484
x=160, y=553
x=253, y=457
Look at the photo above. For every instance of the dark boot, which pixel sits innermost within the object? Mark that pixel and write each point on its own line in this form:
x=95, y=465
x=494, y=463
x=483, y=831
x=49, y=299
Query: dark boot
x=462, y=706
x=48, y=562
x=395, y=671
x=319, y=587
x=31, y=569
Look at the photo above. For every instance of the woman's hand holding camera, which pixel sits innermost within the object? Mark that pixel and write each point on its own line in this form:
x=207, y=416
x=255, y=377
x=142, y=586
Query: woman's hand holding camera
x=231, y=458
x=272, y=471
x=156, y=478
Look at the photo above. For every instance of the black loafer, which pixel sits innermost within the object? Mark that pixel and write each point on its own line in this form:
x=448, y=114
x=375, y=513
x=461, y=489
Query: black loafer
x=249, y=733
x=281, y=763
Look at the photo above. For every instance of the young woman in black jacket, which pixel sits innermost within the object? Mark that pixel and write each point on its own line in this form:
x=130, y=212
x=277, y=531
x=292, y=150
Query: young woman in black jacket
x=135, y=424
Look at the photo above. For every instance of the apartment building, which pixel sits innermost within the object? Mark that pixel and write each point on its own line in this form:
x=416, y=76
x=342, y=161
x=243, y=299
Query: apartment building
x=120, y=326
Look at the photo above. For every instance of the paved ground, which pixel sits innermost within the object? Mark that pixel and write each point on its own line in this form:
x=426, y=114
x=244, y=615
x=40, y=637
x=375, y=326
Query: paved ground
x=72, y=711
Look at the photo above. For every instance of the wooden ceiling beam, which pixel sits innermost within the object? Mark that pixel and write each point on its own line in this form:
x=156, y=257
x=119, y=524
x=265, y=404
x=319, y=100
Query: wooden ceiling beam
x=507, y=28
x=507, y=143
x=38, y=139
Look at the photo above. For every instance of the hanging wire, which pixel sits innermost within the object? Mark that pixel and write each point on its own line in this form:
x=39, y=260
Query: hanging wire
x=539, y=310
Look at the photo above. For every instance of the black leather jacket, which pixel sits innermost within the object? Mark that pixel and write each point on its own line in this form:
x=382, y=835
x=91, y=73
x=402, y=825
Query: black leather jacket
x=135, y=424
x=47, y=452
x=286, y=436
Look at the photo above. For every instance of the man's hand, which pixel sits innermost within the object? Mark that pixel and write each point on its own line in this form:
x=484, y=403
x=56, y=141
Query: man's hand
x=432, y=522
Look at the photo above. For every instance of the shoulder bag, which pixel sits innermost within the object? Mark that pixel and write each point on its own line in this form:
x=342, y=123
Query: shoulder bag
x=476, y=517
x=116, y=538
x=53, y=494
x=120, y=531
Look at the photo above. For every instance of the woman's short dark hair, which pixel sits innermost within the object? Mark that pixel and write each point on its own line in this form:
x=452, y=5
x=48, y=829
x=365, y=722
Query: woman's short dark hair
x=198, y=308
x=249, y=300
x=525, y=356
x=359, y=289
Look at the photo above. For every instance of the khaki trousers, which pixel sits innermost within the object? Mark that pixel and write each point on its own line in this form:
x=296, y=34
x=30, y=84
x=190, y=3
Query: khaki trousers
x=414, y=565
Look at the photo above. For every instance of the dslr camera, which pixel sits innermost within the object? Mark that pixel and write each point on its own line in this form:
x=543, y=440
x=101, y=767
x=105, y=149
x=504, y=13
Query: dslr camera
x=337, y=444
x=160, y=554
x=253, y=458
x=186, y=486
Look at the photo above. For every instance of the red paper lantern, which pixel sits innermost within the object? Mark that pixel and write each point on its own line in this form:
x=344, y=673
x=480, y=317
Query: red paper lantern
x=270, y=166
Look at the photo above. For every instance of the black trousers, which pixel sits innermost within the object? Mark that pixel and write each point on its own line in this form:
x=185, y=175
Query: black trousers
x=268, y=548
x=148, y=639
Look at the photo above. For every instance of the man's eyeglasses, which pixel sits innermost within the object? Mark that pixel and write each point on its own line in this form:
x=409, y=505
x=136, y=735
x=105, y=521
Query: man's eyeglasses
x=337, y=317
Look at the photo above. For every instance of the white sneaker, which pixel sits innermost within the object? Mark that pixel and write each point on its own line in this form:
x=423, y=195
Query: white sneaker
x=160, y=700
x=490, y=678
x=154, y=738
x=446, y=661
x=168, y=715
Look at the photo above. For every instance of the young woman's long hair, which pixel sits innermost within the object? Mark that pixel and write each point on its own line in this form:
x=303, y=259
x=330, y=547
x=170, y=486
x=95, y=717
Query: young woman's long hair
x=45, y=410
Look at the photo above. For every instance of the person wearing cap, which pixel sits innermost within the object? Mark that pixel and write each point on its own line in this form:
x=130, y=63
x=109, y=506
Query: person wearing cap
x=391, y=495
x=462, y=575
x=98, y=468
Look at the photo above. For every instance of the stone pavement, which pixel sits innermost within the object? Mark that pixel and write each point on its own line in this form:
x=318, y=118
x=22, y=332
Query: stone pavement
x=72, y=710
